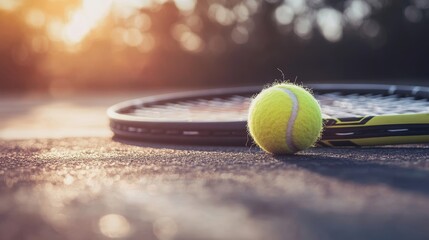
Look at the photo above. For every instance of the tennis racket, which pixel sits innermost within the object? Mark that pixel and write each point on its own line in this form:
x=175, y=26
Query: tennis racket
x=354, y=115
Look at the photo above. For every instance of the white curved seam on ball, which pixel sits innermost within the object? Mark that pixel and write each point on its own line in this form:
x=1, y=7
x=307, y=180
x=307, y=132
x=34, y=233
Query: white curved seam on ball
x=291, y=122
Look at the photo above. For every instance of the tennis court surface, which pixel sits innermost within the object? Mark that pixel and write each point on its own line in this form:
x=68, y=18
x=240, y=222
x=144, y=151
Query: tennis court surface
x=62, y=176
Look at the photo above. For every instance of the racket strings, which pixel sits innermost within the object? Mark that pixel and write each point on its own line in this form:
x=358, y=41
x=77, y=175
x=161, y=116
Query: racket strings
x=356, y=105
x=232, y=108
x=235, y=107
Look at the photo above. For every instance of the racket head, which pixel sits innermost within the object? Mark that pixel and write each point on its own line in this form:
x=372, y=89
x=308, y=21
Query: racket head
x=228, y=131
x=219, y=116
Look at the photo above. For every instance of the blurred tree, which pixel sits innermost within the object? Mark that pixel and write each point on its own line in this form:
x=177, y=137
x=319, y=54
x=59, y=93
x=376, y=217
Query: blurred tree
x=130, y=44
x=18, y=64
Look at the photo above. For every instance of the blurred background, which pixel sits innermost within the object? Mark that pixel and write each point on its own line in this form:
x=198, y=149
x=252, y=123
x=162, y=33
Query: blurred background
x=66, y=45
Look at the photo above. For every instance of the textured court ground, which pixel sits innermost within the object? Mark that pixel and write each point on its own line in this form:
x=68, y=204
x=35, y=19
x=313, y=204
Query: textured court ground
x=62, y=176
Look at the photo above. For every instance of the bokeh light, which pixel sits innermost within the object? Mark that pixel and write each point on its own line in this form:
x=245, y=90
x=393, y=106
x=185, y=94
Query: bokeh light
x=330, y=23
x=114, y=226
x=71, y=43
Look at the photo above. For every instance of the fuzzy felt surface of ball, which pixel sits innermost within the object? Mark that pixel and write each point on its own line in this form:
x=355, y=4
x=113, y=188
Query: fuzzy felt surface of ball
x=284, y=119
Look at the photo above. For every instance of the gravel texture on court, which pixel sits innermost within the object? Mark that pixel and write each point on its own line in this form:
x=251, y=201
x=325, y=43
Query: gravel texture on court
x=62, y=176
x=95, y=188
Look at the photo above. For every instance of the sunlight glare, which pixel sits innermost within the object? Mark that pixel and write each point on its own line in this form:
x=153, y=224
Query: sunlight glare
x=9, y=5
x=85, y=19
x=185, y=5
x=127, y=8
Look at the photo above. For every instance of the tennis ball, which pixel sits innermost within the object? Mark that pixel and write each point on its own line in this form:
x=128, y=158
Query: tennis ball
x=284, y=119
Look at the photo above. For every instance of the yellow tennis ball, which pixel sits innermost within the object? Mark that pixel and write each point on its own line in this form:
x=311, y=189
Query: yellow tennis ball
x=284, y=119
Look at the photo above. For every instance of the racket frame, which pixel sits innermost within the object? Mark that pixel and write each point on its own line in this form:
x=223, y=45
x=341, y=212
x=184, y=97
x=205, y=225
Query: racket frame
x=337, y=131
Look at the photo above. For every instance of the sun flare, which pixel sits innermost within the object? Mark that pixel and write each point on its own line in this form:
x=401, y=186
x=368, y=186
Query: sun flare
x=85, y=19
